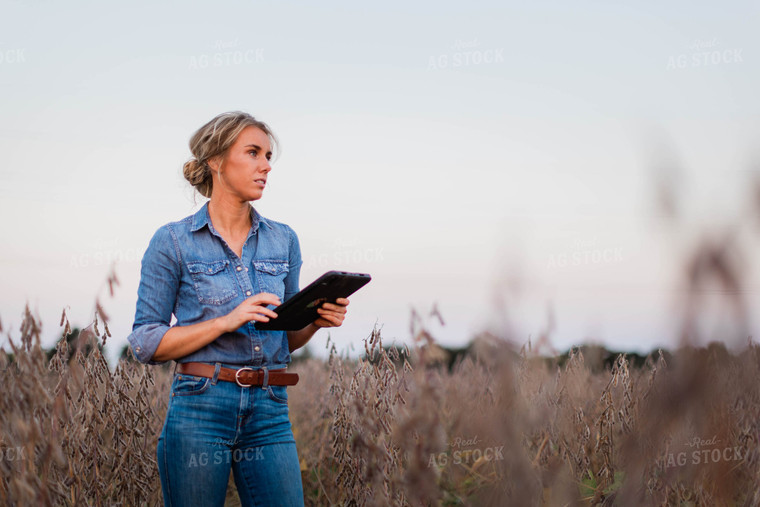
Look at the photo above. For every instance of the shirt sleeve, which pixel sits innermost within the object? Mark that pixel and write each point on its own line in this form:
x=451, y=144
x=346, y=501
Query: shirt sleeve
x=156, y=296
x=294, y=266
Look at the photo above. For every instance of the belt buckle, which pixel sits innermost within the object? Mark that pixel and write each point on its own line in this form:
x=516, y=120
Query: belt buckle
x=237, y=376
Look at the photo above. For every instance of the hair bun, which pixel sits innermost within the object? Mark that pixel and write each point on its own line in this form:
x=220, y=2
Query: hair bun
x=198, y=175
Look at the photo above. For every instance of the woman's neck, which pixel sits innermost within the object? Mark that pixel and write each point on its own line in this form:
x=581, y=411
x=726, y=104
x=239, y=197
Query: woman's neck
x=233, y=217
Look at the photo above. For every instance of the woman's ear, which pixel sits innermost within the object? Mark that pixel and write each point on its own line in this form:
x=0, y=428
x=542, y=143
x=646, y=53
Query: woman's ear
x=213, y=163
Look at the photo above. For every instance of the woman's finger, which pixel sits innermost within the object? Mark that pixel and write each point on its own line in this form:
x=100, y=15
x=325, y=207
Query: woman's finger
x=335, y=318
x=265, y=298
x=333, y=307
x=329, y=320
x=263, y=311
x=340, y=303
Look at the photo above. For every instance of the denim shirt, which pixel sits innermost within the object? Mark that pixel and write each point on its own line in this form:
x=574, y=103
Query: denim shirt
x=189, y=270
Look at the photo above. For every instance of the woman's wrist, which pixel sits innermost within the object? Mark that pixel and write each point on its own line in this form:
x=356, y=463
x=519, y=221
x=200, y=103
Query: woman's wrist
x=220, y=325
x=299, y=338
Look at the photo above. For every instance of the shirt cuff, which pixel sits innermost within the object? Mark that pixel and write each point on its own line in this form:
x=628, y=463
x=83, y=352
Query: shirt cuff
x=145, y=340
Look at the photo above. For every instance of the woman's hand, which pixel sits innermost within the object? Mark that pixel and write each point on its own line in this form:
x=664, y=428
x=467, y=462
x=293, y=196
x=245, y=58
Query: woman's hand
x=332, y=314
x=253, y=309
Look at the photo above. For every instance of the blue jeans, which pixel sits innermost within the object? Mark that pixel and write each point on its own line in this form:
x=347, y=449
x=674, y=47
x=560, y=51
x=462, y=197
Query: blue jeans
x=213, y=426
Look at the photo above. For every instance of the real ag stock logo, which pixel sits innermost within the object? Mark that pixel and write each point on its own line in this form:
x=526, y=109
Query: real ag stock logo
x=465, y=54
x=227, y=53
x=705, y=53
x=699, y=451
x=466, y=451
x=585, y=252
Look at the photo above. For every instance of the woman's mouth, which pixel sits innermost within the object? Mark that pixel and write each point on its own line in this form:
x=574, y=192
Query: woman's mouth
x=261, y=181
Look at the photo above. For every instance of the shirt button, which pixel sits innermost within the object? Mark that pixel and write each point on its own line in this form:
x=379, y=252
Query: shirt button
x=209, y=270
x=256, y=348
x=247, y=293
x=239, y=268
x=138, y=349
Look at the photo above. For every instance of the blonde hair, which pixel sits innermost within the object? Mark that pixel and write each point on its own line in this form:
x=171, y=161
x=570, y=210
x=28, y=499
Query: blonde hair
x=214, y=139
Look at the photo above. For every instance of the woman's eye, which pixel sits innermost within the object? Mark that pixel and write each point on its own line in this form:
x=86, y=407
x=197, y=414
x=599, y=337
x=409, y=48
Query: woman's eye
x=253, y=152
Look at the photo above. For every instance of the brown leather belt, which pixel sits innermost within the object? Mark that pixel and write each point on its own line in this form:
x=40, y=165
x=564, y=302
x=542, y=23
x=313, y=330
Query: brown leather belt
x=244, y=377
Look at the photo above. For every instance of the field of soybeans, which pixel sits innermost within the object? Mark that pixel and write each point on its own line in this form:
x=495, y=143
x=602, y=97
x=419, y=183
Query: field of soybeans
x=403, y=426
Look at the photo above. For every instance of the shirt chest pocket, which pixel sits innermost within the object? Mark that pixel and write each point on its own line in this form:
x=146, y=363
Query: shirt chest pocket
x=270, y=276
x=213, y=281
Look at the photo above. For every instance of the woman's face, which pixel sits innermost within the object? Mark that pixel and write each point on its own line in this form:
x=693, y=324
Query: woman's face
x=246, y=166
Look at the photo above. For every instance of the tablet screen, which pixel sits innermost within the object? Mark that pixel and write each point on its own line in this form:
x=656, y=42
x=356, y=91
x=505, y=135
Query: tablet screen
x=301, y=310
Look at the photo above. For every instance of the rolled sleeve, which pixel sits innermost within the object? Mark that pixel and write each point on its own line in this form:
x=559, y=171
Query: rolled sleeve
x=156, y=296
x=145, y=340
x=294, y=266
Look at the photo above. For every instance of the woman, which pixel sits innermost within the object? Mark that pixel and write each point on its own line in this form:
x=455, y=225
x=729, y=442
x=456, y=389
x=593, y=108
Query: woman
x=217, y=271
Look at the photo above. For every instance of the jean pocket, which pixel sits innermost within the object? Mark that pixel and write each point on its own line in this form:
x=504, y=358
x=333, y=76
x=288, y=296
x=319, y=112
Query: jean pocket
x=271, y=275
x=188, y=385
x=213, y=281
x=278, y=394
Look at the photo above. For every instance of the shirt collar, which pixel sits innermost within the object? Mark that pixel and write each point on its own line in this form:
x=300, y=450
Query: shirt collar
x=201, y=218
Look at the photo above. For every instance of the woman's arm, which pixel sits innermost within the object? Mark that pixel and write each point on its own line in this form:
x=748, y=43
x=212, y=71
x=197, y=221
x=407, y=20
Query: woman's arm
x=297, y=339
x=156, y=295
x=180, y=341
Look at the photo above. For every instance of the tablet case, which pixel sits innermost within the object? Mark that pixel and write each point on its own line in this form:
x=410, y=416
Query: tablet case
x=301, y=310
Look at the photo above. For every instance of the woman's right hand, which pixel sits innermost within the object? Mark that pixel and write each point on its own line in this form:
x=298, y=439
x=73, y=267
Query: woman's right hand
x=252, y=309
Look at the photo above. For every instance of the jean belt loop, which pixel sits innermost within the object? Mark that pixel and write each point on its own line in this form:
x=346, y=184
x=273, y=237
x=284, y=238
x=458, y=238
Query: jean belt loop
x=265, y=383
x=216, y=374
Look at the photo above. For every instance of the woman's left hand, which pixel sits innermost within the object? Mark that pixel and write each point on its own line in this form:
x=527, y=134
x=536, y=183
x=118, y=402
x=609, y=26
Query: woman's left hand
x=332, y=314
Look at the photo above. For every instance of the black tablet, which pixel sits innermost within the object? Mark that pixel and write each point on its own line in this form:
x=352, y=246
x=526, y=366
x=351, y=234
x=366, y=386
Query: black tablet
x=301, y=310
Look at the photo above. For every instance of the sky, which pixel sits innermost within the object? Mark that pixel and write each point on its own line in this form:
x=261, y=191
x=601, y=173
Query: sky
x=495, y=160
